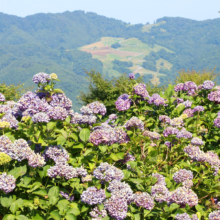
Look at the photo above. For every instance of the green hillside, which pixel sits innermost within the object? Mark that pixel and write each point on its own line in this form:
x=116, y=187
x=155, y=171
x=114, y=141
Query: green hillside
x=55, y=42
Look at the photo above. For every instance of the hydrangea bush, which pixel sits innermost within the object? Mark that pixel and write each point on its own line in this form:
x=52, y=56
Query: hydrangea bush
x=157, y=157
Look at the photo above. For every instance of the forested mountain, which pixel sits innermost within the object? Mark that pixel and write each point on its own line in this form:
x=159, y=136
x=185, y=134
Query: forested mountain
x=51, y=43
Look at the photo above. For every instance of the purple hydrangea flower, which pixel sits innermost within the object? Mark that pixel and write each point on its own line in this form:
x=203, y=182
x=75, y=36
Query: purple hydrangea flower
x=214, y=96
x=7, y=183
x=67, y=196
x=77, y=118
x=36, y=160
x=95, y=213
x=187, y=183
x=160, y=193
x=93, y=196
x=217, y=122
x=11, y=119
x=2, y=98
x=183, y=133
x=40, y=117
x=117, y=208
x=152, y=135
x=60, y=99
x=41, y=78
x=108, y=172
x=81, y=171
x=189, y=112
x=179, y=87
x=183, y=196
x=178, y=101
x=198, y=109
x=160, y=179
x=168, y=144
x=157, y=100
x=170, y=131
x=190, y=87
x=113, y=117
x=197, y=141
x=214, y=215
x=134, y=122
x=94, y=108
x=183, y=216
x=123, y=102
x=182, y=175
x=143, y=199
x=56, y=153
x=187, y=103
x=57, y=113
x=208, y=84
x=140, y=90
x=177, y=122
x=131, y=76
x=165, y=119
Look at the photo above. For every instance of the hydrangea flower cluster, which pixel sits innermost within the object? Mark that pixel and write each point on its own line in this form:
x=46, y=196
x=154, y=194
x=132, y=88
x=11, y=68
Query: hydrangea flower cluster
x=208, y=84
x=11, y=119
x=214, y=215
x=164, y=119
x=7, y=183
x=123, y=102
x=95, y=213
x=157, y=100
x=160, y=193
x=185, y=216
x=60, y=100
x=131, y=76
x=2, y=98
x=36, y=160
x=160, y=179
x=187, y=103
x=197, y=141
x=152, y=135
x=77, y=118
x=217, y=122
x=41, y=78
x=87, y=178
x=4, y=158
x=198, y=109
x=177, y=122
x=135, y=123
x=143, y=199
x=57, y=113
x=108, y=135
x=179, y=87
x=94, y=108
x=40, y=117
x=93, y=196
x=214, y=96
x=170, y=131
x=183, y=133
x=140, y=90
x=56, y=153
x=107, y=172
x=189, y=87
x=189, y=112
x=182, y=175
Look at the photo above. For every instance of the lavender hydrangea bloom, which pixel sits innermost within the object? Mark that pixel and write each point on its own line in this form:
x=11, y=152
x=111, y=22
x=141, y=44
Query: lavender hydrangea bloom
x=187, y=183
x=168, y=144
x=77, y=118
x=36, y=160
x=214, y=96
x=131, y=76
x=160, y=193
x=179, y=87
x=208, y=84
x=144, y=200
x=183, y=216
x=190, y=87
x=95, y=213
x=140, y=90
x=62, y=170
x=108, y=172
x=93, y=196
x=94, y=108
x=182, y=175
x=160, y=179
x=189, y=112
x=177, y=122
x=57, y=113
x=11, y=119
x=67, y=196
x=214, y=215
x=60, y=99
x=152, y=135
x=170, y=131
x=41, y=78
x=113, y=117
x=117, y=208
x=2, y=98
x=198, y=109
x=56, y=153
x=187, y=103
x=123, y=102
x=81, y=171
x=165, y=119
x=183, y=133
x=7, y=183
x=197, y=141
x=217, y=122
x=157, y=100
x=134, y=122
x=40, y=117
x=183, y=196
x=178, y=101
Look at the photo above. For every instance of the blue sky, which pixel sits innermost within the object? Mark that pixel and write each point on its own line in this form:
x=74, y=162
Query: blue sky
x=133, y=11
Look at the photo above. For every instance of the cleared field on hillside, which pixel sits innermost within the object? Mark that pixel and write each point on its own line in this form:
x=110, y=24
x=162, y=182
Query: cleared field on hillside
x=131, y=49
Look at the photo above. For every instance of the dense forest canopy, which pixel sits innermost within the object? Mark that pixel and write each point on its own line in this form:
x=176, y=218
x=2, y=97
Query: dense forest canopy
x=49, y=43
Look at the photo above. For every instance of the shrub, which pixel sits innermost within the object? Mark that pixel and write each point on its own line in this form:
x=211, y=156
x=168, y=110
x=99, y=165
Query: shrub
x=157, y=158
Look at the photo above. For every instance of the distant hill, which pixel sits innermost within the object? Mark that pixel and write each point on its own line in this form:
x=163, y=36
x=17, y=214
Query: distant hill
x=66, y=43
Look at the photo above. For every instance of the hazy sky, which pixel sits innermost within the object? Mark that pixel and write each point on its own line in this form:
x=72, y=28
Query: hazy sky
x=133, y=11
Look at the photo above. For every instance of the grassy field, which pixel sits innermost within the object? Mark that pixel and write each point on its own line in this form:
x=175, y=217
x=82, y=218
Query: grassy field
x=131, y=49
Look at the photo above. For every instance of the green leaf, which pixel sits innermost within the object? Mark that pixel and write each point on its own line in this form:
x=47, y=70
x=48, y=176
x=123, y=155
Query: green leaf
x=16, y=205
x=70, y=217
x=173, y=206
x=6, y=201
x=22, y=217
x=103, y=148
x=61, y=140
x=43, y=172
x=9, y=217
x=114, y=157
x=37, y=217
x=58, y=90
x=84, y=134
x=54, y=191
x=137, y=217
x=41, y=192
x=19, y=171
x=53, y=200
x=51, y=125
x=74, y=137
x=120, y=155
x=63, y=206
x=74, y=211
x=84, y=208
x=126, y=174
x=55, y=215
